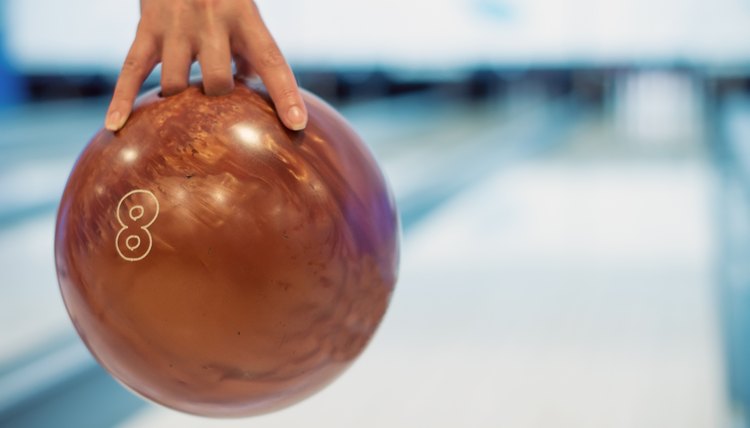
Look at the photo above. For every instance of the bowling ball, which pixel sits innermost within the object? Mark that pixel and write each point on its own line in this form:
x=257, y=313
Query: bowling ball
x=220, y=264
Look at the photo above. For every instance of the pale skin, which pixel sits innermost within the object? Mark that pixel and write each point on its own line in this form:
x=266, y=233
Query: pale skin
x=177, y=33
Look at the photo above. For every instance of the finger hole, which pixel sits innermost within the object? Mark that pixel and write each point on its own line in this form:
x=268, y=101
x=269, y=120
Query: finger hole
x=176, y=59
x=216, y=66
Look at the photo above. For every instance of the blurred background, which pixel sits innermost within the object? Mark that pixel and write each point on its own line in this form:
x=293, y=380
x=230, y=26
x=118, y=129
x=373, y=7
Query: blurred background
x=574, y=183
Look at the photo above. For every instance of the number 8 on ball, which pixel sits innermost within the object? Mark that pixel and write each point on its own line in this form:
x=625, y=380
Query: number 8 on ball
x=136, y=212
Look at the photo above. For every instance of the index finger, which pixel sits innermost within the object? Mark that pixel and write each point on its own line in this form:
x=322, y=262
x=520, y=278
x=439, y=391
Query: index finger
x=139, y=63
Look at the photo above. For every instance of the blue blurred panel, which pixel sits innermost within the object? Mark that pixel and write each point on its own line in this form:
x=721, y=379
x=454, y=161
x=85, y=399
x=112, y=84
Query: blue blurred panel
x=10, y=82
x=734, y=223
x=11, y=91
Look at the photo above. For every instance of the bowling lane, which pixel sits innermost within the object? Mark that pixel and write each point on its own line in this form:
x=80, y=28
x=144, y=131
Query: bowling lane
x=732, y=155
x=571, y=290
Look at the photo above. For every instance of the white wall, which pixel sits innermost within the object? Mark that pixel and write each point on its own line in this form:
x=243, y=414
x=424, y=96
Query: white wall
x=415, y=34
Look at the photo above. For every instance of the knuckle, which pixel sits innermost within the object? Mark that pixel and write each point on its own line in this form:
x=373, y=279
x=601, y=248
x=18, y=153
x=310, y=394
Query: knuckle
x=133, y=65
x=289, y=95
x=271, y=57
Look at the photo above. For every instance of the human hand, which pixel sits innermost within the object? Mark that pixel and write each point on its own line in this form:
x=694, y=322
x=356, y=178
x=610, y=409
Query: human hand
x=213, y=32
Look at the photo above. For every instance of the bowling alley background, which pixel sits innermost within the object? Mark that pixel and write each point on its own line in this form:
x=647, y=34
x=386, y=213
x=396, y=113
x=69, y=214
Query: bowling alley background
x=573, y=181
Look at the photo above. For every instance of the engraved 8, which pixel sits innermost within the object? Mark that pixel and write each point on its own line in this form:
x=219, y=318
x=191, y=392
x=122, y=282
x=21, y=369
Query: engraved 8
x=136, y=212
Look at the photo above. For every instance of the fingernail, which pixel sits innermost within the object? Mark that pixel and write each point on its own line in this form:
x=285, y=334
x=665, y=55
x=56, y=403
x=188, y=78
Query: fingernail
x=296, y=118
x=114, y=121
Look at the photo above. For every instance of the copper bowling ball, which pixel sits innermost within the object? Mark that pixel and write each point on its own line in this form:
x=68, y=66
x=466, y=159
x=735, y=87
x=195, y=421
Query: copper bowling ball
x=219, y=264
